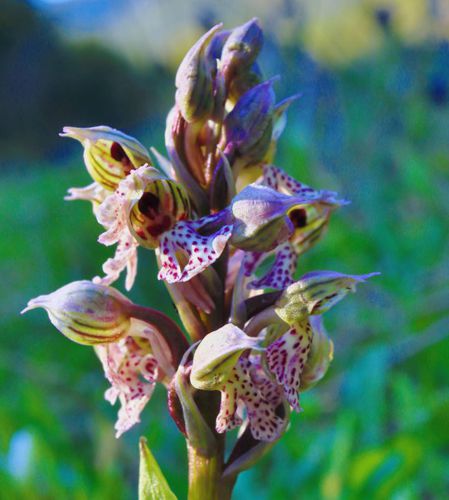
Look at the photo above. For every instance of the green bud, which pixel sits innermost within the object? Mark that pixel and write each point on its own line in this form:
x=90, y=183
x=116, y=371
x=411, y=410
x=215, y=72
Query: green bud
x=217, y=355
x=194, y=80
x=241, y=48
x=243, y=81
x=86, y=313
x=248, y=127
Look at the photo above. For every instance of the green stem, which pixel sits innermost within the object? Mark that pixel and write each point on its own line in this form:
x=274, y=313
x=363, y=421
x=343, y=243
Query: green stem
x=205, y=476
x=206, y=463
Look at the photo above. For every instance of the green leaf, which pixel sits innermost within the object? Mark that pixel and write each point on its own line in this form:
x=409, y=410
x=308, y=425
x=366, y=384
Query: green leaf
x=152, y=483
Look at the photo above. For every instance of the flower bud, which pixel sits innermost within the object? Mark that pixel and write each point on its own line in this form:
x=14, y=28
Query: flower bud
x=241, y=48
x=156, y=204
x=315, y=293
x=217, y=354
x=243, y=81
x=262, y=218
x=86, y=313
x=109, y=154
x=320, y=356
x=194, y=80
x=248, y=127
x=215, y=48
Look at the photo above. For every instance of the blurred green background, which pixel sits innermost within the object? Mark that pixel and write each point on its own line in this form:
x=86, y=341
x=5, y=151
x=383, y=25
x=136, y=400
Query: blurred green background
x=372, y=124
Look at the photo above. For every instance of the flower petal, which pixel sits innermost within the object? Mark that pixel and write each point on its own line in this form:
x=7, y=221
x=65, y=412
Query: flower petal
x=277, y=179
x=286, y=358
x=251, y=261
x=217, y=354
x=125, y=257
x=243, y=389
x=95, y=193
x=184, y=252
x=320, y=357
x=281, y=273
x=132, y=371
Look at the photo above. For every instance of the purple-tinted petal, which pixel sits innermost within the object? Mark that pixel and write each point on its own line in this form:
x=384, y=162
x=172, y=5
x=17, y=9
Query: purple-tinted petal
x=184, y=252
x=277, y=179
x=281, y=272
x=251, y=261
x=286, y=358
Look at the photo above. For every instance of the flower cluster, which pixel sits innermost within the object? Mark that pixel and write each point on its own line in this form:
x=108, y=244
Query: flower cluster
x=228, y=228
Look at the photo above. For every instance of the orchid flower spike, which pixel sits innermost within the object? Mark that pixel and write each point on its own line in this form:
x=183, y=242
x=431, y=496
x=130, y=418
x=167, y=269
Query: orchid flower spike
x=214, y=214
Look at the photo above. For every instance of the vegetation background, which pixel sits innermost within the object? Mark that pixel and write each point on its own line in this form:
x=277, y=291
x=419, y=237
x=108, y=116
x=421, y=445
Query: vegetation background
x=372, y=124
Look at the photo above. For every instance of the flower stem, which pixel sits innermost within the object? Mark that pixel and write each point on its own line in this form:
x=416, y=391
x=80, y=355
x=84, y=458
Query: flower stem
x=204, y=475
x=206, y=480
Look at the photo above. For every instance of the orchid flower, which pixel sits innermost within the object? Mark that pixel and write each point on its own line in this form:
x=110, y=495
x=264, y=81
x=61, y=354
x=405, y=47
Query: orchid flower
x=152, y=211
x=109, y=155
x=309, y=220
x=244, y=386
x=313, y=294
x=133, y=343
x=257, y=373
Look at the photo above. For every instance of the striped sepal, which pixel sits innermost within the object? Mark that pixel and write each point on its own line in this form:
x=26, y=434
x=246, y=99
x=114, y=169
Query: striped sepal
x=163, y=203
x=109, y=155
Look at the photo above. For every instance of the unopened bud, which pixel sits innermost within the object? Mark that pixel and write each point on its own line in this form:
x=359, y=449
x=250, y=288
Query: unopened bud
x=243, y=81
x=194, y=80
x=86, y=313
x=217, y=354
x=216, y=44
x=248, y=127
x=109, y=155
x=241, y=48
